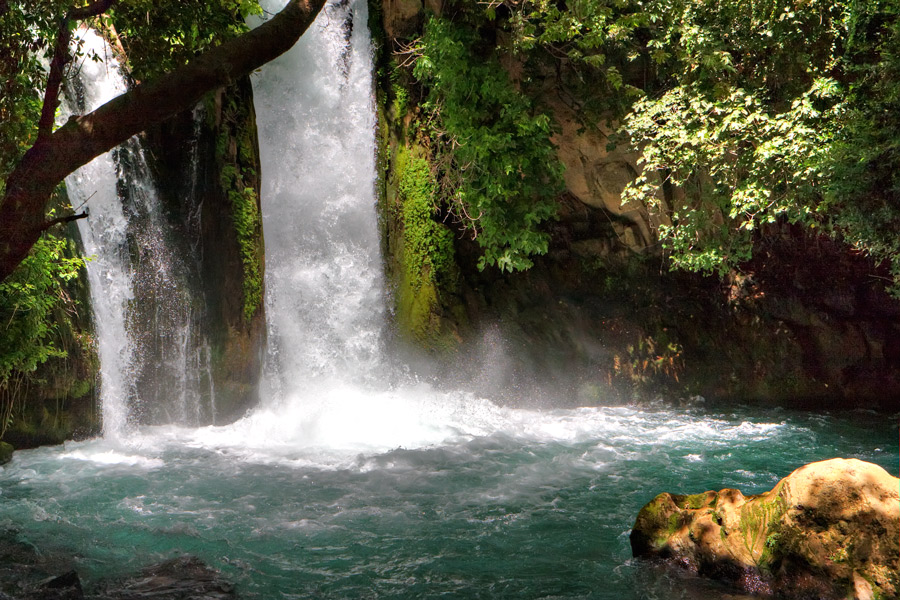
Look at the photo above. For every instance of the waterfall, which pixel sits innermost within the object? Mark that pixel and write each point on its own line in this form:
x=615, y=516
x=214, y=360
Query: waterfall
x=147, y=324
x=104, y=235
x=324, y=298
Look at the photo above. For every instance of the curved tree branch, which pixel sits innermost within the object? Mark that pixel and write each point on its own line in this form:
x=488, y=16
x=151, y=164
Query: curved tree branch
x=83, y=138
x=67, y=219
x=60, y=59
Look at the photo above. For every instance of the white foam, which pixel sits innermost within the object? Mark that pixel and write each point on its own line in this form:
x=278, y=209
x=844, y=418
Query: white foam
x=113, y=457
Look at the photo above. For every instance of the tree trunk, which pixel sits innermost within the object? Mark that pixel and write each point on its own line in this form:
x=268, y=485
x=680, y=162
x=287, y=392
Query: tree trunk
x=81, y=139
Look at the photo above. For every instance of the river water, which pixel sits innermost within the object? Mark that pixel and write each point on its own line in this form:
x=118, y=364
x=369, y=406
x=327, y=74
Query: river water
x=408, y=497
x=354, y=480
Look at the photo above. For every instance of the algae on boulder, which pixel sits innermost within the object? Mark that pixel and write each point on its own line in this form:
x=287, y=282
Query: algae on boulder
x=829, y=530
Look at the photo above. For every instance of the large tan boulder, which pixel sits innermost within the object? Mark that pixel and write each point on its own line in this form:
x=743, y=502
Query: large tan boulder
x=829, y=530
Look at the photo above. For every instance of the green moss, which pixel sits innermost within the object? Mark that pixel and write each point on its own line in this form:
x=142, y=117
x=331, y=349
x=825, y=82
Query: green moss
x=428, y=265
x=695, y=501
x=427, y=244
x=248, y=225
x=672, y=525
x=759, y=526
x=657, y=519
x=236, y=151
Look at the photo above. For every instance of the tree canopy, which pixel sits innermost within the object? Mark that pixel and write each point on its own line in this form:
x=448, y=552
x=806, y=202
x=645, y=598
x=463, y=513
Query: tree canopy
x=199, y=56
x=745, y=113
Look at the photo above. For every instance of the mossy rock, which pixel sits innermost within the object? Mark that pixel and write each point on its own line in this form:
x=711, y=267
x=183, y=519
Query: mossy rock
x=6, y=452
x=830, y=530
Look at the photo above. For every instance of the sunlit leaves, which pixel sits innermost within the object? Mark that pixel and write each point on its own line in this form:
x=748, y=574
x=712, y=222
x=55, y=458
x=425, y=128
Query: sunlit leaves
x=500, y=173
x=160, y=36
x=27, y=299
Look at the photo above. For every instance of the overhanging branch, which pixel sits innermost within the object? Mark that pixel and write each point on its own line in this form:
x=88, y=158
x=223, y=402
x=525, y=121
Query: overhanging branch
x=67, y=219
x=55, y=155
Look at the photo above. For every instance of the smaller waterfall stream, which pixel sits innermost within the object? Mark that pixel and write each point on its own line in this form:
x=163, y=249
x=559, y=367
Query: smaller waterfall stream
x=104, y=235
x=151, y=348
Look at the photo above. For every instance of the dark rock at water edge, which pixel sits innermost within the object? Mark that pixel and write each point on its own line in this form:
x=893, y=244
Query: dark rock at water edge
x=6, y=452
x=27, y=573
x=183, y=578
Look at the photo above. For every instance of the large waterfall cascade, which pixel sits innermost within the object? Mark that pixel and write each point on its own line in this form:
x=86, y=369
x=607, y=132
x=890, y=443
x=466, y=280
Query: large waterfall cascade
x=316, y=124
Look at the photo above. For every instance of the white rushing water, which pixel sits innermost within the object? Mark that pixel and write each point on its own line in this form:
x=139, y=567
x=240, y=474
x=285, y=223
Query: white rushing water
x=324, y=297
x=150, y=351
x=94, y=187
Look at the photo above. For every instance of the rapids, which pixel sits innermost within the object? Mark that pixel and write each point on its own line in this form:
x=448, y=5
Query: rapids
x=458, y=498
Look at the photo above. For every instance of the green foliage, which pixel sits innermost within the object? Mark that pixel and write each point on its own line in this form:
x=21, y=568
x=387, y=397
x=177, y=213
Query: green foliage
x=743, y=128
x=27, y=28
x=774, y=112
x=596, y=36
x=752, y=113
x=498, y=170
x=28, y=299
x=738, y=166
x=160, y=36
x=862, y=190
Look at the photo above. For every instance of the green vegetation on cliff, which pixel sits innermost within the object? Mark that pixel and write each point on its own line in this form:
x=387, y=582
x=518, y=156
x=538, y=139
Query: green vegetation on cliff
x=235, y=152
x=498, y=171
x=30, y=303
x=745, y=114
x=756, y=112
x=427, y=259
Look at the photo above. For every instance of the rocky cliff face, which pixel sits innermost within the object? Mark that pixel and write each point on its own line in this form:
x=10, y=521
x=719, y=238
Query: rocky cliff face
x=807, y=323
x=828, y=530
x=208, y=171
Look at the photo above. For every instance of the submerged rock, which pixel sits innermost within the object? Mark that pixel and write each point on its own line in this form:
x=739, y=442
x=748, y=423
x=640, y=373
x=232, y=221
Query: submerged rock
x=29, y=573
x=829, y=530
x=62, y=587
x=183, y=578
x=6, y=453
